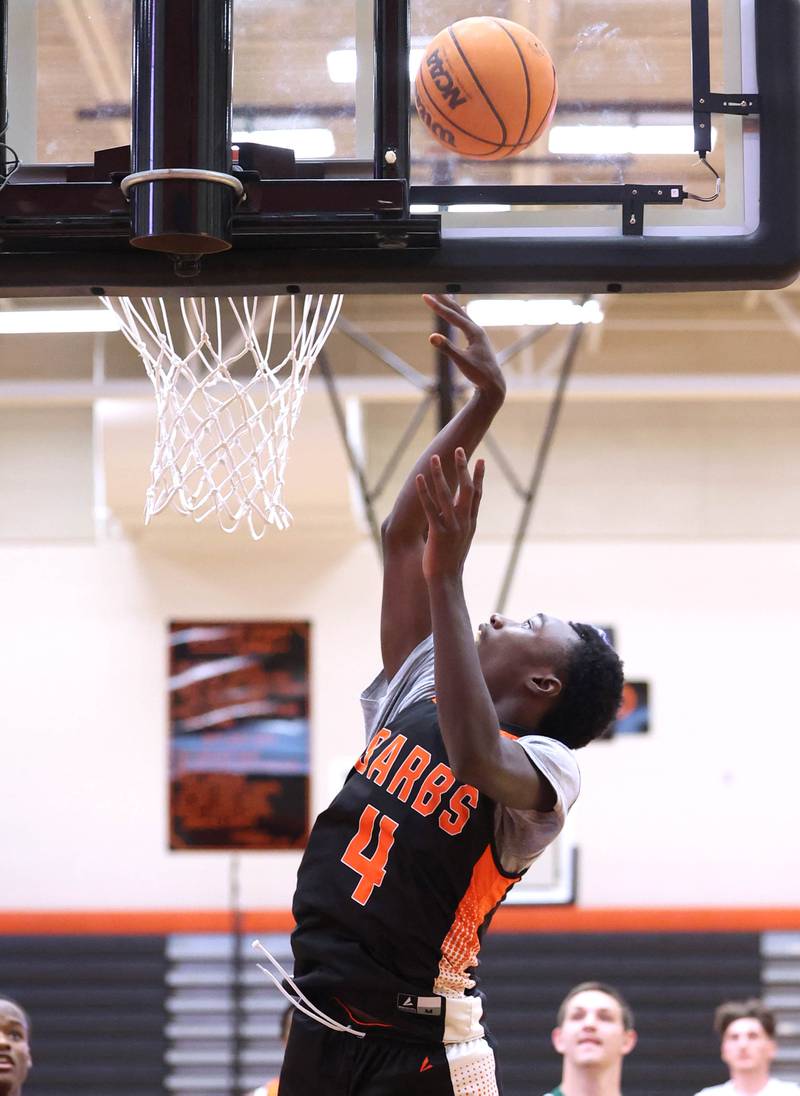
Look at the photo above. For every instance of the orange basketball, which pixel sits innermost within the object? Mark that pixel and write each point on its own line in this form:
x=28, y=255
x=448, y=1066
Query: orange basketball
x=486, y=88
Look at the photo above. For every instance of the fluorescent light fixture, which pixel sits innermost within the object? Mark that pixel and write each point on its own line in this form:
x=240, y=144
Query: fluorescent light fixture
x=343, y=64
x=667, y=140
x=466, y=208
x=308, y=144
x=46, y=321
x=538, y=312
x=414, y=61
x=477, y=208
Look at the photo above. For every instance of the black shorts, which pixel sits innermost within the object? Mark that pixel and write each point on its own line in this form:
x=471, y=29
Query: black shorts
x=321, y=1062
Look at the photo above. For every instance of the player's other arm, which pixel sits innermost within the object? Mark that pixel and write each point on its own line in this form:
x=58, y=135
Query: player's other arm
x=477, y=752
x=405, y=611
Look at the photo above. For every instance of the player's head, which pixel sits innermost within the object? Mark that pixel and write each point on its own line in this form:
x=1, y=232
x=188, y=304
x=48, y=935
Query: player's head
x=15, y=1051
x=747, y=1035
x=594, y=1029
x=563, y=679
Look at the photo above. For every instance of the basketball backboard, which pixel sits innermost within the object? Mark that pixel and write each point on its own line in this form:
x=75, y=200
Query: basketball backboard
x=613, y=197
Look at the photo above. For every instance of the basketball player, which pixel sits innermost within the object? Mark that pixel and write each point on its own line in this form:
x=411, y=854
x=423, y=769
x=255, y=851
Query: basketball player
x=468, y=774
x=15, y=1053
x=594, y=1034
x=748, y=1048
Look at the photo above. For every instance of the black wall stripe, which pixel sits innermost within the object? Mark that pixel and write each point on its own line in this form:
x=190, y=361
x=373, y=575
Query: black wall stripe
x=97, y=1008
x=99, y=1005
x=673, y=982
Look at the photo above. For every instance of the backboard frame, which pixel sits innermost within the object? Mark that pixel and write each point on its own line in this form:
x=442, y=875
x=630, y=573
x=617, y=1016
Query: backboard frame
x=347, y=226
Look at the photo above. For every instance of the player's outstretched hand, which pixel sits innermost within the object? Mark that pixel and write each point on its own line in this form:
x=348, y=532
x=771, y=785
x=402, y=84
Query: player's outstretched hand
x=451, y=517
x=477, y=360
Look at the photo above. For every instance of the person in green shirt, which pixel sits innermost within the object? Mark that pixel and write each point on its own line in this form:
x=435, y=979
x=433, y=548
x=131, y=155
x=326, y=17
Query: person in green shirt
x=594, y=1033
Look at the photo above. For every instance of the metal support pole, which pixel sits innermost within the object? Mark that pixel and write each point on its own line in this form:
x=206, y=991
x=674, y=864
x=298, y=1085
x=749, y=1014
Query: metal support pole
x=392, y=90
x=182, y=67
x=323, y=365
x=382, y=353
x=237, y=975
x=540, y=463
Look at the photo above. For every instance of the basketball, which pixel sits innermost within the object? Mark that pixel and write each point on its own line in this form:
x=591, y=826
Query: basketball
x=486, y=88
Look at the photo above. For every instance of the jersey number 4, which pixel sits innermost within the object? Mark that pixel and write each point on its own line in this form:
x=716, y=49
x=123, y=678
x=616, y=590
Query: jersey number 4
x=371, y=869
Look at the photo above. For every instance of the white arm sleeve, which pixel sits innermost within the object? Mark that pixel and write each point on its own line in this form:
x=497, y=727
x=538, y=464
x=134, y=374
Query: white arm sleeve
x=382, y=700
x=521, y=836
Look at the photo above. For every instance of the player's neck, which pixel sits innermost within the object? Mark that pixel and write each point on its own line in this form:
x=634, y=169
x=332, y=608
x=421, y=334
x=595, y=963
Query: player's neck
x=592, y=1082
x=750, y=1083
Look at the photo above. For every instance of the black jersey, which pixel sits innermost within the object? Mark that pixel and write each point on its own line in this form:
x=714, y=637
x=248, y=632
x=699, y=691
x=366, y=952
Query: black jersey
x=400, y=877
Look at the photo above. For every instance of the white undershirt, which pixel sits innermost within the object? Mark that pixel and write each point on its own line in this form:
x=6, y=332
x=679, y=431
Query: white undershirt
x=520, y=836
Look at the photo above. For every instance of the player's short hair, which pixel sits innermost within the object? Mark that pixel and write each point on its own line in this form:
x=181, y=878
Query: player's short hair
x=25, y=1015
x=592, y=690
x=598, y=987
x=752, y=1009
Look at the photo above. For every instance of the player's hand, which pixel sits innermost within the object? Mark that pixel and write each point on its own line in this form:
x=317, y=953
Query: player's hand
x=451, y=517
x=477, y=360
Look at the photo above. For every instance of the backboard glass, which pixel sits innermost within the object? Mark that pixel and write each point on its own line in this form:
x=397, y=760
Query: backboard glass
x=605, y=198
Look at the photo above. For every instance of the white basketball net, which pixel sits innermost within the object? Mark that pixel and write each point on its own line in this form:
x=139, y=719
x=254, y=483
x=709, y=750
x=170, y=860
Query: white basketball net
x=222, y=440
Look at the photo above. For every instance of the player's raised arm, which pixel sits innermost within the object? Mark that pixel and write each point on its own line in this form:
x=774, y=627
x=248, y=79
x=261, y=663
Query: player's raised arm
x=405, y=612
x=477, y=752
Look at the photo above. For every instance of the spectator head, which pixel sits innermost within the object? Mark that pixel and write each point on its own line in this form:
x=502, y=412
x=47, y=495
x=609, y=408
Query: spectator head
x=747, y=1037
x=594, y=1031
x=15, y=1051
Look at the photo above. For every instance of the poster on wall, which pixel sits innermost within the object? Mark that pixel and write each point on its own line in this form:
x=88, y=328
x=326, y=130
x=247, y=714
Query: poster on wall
x=239, y=734
x=633, y=716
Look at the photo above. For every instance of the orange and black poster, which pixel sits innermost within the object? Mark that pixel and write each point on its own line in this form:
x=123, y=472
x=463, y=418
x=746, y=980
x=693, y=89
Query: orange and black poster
x=239, y=735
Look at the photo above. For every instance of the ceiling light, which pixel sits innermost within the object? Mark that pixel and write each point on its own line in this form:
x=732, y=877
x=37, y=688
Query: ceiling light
x=40, y=321
x=343, y=64
x=485, y=208
x=668, y=140
x=307, y=144
x=542, y=312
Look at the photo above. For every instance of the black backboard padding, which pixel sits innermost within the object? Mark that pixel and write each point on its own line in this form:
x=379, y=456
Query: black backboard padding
x=331, y=261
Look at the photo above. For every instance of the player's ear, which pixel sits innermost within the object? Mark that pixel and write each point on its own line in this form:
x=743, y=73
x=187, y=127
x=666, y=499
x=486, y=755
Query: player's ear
x=544, y=686
x=630, y=1041
x=558, y=1041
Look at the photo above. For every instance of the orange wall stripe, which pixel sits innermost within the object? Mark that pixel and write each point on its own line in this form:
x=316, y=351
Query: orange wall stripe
x=507, y=919
x=138, y=922
x=576, y=919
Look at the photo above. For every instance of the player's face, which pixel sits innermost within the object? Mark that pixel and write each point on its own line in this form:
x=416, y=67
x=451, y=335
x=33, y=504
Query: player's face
x=593, y=1034
x=15, y=1055
x=510, y=650
x=746, y=1047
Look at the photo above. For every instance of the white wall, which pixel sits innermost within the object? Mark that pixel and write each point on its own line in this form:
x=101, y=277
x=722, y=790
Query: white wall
x=703, y=811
